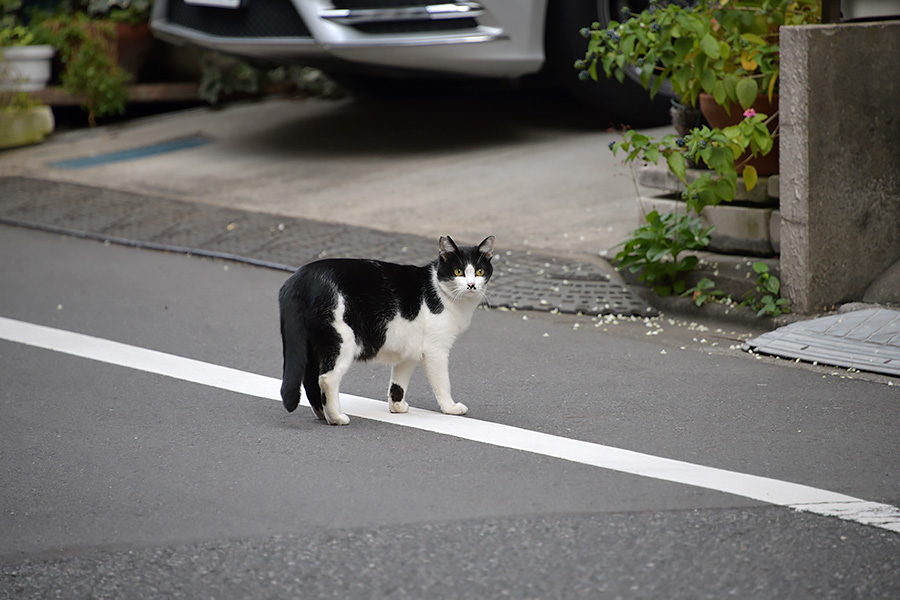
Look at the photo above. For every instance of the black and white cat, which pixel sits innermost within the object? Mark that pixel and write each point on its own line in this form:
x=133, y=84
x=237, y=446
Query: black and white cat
x=336, y=311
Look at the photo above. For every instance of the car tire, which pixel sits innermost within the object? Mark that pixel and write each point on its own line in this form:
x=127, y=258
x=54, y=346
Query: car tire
x=626, y=103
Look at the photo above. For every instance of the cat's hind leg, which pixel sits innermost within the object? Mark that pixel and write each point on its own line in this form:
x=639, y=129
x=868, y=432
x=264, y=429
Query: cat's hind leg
x=335, y=364
x=330, y=383
x=400, y=375
x=311, y=385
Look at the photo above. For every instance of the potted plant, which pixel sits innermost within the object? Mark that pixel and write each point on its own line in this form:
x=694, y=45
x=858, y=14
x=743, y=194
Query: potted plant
x=90, y=71
x=133, y=36
x=721, y=55
x=726, y=51
x=25, y=64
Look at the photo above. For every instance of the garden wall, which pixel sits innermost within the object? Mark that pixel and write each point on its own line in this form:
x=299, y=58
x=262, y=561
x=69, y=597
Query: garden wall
x=839, y=111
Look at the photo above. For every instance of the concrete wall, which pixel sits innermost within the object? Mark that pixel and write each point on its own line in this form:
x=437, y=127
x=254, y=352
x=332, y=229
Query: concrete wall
x=839, y=112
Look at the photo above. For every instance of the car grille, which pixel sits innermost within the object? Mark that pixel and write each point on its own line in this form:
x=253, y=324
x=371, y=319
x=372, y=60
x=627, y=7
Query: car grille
x=380, y=3
x=259, y=18
x=403, y=26
x=416, y=26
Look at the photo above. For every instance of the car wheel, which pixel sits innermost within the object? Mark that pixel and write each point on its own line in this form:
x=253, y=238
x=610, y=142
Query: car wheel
x=626, y=103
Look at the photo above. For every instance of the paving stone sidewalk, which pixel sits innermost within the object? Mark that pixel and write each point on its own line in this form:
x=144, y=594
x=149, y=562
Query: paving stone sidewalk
x=523, y=280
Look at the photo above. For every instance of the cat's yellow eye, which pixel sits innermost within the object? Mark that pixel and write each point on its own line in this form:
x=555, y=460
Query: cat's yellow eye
x=458, y=272
x=479, y=272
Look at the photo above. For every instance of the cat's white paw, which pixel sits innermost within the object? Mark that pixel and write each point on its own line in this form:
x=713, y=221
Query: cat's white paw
x=340, y=419
x=457, y=409
x=399, y=407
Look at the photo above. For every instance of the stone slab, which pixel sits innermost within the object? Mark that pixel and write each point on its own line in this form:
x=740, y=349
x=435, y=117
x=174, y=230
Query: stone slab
x=886, y=287
x=660, y=178
x=738, y=230
x=867, y=340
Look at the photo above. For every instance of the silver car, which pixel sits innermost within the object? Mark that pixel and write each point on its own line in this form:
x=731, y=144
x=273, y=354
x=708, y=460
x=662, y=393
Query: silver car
x=365, y=39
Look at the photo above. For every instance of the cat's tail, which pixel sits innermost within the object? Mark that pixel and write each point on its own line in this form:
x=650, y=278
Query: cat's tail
x=294, y=350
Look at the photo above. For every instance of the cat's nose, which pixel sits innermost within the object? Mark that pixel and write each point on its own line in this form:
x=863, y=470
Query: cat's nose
x=471, y=286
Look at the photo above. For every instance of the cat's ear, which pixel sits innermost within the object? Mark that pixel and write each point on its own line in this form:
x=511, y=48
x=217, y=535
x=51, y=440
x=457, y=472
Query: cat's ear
x=487, y=247
x=448, y=247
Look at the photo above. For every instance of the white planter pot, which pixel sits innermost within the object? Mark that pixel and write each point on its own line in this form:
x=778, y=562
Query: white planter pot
x=25, y=68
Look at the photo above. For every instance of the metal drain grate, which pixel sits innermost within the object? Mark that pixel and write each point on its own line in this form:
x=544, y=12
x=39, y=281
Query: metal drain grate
x=521, y=280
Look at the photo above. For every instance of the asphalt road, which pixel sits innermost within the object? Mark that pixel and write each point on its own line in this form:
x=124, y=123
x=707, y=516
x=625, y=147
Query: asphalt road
x=119, y=483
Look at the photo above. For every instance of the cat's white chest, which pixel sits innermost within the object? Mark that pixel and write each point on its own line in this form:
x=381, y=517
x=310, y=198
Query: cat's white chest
x=407, y=340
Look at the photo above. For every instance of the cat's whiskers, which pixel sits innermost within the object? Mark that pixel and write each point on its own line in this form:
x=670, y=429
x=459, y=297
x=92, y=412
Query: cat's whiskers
x=485, y=297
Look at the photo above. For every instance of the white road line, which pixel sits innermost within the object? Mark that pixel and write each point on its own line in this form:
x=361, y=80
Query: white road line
x=772, y=491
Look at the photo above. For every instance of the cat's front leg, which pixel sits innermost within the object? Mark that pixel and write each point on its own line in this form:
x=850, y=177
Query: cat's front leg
x=437, y=369
x=400, y=375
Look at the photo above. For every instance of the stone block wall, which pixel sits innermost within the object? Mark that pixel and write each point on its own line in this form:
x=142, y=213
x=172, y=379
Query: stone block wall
x=839, y=111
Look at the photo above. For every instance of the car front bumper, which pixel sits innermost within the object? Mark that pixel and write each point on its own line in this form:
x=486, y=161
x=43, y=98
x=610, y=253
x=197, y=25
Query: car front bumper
x=491, y=38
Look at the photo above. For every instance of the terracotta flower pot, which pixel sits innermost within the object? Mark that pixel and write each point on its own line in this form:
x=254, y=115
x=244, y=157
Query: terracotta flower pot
x=132, y=46
x=718, y=117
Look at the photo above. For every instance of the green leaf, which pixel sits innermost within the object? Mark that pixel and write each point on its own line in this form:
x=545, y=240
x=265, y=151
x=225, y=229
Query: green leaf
x=680, y=78
x=677, y=164
x=708, y=80
x=663, y=290
x=724, y=189
x=682, y=47
x=753, y=39
x=656, y=252
x=607, y=63
x=657, y=83
x=760, y=267
x=763, y=140
x=731, y=81
x=724, y=50
x=646, y=72
x=688, y=263
x=639, y=140
x=746, y=91
x=627, y=46
x=652, y=154
x=710, y=46
x=720, y=92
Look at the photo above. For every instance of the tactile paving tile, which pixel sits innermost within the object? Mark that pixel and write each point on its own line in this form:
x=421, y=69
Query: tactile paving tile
x=522, y=280
x=867, y=340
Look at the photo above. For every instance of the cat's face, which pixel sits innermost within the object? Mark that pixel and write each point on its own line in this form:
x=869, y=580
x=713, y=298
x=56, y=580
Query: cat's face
x=463, y=271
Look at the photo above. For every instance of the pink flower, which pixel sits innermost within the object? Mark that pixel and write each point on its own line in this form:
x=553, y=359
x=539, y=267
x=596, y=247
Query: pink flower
x=749, y=113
